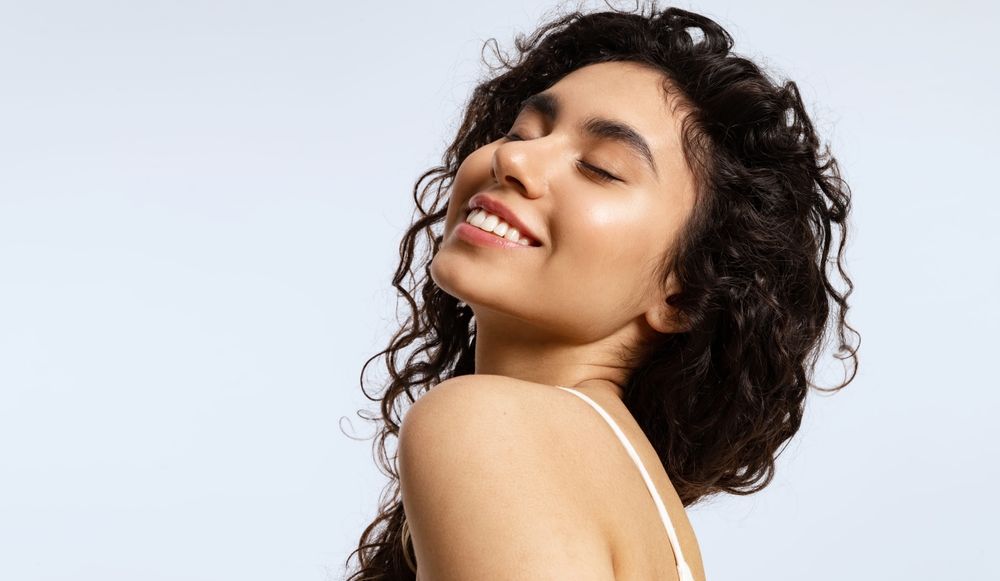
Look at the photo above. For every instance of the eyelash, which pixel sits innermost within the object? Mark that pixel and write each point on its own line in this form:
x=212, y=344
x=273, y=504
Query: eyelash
x=594, y=170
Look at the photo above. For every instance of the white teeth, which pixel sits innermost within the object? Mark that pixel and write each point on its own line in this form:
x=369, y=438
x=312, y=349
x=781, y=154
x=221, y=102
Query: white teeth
x=491, y=223
x=476, y=218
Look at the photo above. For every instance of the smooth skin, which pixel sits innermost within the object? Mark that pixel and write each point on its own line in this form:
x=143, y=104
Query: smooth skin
x=503, y=475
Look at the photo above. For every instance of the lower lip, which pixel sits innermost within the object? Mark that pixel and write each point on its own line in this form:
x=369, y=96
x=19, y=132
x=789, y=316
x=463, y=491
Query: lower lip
x=474, y=235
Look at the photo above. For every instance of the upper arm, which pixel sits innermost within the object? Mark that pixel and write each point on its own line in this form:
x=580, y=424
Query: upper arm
x=483, y=496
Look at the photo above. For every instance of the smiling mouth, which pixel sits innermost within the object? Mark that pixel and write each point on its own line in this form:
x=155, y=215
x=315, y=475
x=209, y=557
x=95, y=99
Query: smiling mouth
x=493, y=224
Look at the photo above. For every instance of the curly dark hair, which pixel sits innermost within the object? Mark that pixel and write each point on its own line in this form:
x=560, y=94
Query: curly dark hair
x=719, y=400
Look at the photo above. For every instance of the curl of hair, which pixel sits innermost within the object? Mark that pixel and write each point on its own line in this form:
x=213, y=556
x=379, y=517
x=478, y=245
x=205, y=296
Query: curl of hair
x=719, y=400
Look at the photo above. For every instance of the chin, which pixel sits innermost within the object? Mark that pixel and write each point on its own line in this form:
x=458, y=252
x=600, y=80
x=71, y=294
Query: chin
x=458, y=278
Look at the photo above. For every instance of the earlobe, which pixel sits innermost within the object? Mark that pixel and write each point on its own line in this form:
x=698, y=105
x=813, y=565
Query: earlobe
x=660, y=316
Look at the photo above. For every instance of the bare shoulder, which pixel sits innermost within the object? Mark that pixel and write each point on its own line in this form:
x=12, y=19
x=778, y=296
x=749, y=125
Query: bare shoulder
x=486, y=490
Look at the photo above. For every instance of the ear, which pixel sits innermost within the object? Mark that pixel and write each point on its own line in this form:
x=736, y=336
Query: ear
x=658, y=317
x=661, y=316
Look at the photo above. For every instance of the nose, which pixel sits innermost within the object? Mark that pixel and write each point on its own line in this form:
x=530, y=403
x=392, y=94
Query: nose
x=519, y=164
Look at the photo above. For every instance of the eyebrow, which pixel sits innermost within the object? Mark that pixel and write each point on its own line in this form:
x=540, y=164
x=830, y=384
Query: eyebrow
x=548, y=106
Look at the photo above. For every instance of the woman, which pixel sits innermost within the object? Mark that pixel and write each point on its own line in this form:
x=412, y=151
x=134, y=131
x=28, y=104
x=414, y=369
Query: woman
x=624, y=297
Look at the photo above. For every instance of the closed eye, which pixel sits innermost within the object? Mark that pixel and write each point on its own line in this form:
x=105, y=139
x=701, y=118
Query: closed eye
x=597, y=172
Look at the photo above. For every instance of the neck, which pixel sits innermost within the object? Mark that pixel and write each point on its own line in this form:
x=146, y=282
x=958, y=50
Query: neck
x=515, y=348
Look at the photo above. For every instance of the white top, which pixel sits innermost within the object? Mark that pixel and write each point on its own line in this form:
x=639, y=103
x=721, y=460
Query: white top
x=682, y=567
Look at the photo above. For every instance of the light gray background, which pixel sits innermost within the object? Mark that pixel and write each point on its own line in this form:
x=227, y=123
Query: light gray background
x=200, y=209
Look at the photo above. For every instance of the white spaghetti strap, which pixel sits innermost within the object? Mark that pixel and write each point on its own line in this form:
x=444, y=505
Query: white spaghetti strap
x=682, y=567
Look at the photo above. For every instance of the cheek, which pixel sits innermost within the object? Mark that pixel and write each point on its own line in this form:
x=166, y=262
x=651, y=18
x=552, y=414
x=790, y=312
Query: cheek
x=473, y=175
x=475, y=169
x=600, y=269
x=611, y=238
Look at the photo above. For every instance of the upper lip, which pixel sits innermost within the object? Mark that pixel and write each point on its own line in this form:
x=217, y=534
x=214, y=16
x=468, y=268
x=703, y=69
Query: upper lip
x=495, y=206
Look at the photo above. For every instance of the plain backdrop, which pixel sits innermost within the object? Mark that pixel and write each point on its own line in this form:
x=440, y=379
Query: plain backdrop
x=200, y=210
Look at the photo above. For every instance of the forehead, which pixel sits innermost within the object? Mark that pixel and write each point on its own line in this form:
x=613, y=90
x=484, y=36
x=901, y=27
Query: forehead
x=630, y=93
x=615, y=80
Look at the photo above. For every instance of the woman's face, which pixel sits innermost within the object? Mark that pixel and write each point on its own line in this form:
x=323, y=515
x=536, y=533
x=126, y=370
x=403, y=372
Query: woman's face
x=597, y=239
